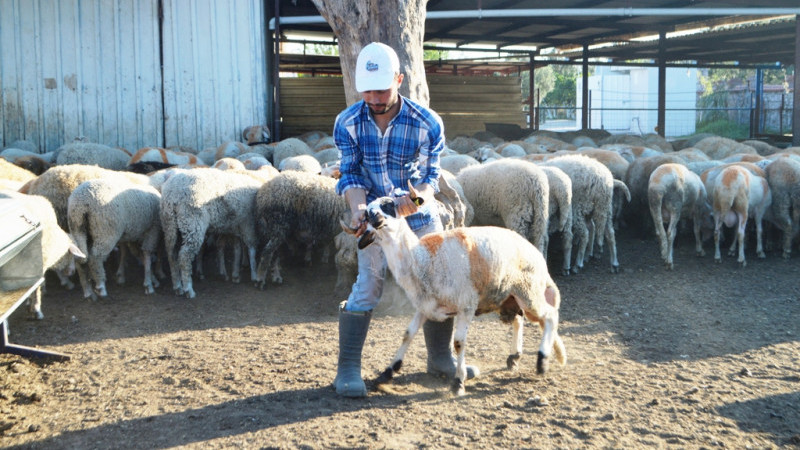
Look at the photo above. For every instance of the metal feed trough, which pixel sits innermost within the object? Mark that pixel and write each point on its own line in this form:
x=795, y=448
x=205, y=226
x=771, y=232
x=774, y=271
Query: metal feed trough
x=21, y=269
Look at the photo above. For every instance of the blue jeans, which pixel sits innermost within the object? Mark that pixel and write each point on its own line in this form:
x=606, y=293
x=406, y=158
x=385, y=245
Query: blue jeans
x=368, y=288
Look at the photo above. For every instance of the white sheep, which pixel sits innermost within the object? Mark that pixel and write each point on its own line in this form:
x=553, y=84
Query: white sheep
x=105, y=212
x=717, y=147
x=197, y=201
x=300, y=209
x=289, y=147
x=675, y=191
x=592, y=204
x=560, y=214
x=454, y=163
x=58, y=182
x=737, y=194
x=465, y=272
x=512, y=193
x=58, y=250
x=90, y=153
x=783, y=176
x=302, y=163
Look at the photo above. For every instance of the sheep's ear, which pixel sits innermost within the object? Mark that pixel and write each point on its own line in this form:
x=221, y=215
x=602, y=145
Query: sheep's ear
x=367, y=238
x=76, y=251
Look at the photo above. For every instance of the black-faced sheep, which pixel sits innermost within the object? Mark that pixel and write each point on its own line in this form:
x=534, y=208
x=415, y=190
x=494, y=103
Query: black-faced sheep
x=465, y=272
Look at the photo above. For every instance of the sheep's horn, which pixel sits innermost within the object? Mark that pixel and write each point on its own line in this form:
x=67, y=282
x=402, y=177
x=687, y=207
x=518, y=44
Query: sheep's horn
x=414, y=195
x=347, y=228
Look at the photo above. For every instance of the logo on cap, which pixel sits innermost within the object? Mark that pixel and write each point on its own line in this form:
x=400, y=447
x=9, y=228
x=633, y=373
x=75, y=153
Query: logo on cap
x=371, y=66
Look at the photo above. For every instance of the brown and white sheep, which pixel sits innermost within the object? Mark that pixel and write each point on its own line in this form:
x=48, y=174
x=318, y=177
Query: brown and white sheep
x=675, y=191
x=465, y=272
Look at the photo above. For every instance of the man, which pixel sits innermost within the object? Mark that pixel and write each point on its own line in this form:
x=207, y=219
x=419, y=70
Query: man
x=386, y=142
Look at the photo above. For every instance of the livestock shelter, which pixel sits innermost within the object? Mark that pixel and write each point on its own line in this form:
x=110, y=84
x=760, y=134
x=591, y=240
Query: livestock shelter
x=195, y=73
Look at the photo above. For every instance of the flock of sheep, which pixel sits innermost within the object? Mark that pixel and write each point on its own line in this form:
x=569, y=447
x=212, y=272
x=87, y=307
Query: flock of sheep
x=276, y=200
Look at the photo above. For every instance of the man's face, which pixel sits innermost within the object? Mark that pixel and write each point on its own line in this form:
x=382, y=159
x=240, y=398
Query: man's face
x=381, y=102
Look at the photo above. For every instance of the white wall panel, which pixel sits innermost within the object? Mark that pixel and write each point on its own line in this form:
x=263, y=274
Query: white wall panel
x=214, y=70
x=93, y=68
x=80, y=68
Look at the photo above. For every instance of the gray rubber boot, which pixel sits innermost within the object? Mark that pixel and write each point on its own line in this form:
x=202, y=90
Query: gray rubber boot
x=438, y=340
x=353, y=326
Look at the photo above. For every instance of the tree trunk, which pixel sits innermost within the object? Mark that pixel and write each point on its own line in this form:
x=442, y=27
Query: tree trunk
x=399, y=24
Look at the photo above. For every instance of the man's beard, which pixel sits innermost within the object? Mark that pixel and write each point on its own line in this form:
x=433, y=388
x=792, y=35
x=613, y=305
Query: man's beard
x=384, y=109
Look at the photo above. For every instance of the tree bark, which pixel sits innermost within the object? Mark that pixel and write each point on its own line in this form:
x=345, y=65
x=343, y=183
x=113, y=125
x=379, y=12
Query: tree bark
x=399, y=24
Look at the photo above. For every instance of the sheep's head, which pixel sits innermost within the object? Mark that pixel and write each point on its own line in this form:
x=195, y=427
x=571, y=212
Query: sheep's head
x=380, y=211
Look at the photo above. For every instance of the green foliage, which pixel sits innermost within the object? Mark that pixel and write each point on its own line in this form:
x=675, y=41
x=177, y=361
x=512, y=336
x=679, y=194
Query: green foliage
x=724, y=127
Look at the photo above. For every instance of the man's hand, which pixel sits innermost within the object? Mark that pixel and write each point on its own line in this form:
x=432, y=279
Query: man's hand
x=358, y=222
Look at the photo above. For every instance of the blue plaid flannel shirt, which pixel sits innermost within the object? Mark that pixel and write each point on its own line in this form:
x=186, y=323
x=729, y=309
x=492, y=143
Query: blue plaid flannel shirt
x=384, y=164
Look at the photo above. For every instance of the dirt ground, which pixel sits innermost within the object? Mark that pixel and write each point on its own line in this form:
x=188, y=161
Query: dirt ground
x=704, y=356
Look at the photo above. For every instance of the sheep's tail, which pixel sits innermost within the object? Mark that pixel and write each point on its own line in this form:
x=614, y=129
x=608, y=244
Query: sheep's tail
x=559, y=350
x=621, y=187
x=79, y=229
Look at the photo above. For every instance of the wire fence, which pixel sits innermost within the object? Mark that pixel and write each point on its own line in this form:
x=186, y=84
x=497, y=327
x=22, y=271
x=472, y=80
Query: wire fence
x=772, y=117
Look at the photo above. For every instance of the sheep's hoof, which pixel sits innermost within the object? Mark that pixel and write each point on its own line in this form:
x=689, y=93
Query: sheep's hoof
x=236, y=279
x=615, y=268
x=37, y=315
x=669, y=265
x=458, y=387
x=190, y=293
x=576, y=269
x=512, y=362
x=542, y=363
x=120, y=279
x=148, y=290
x=701, y=253
x=762, y=255
x=565, y=272
x=743, y=264
x=718, y=260
x=385, y=377
x=787, y=255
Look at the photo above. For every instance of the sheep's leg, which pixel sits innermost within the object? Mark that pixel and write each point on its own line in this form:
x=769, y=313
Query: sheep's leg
x=170, y=244
x=698, y=240
x=658, y=223
x=740, y=237
x=237, y=262
x=759, y=236
x=148, y=273
x=35, y=304
x=674, y=218
x=515, y=352
x=97, y=271
x=397, y=362
x=717, y=227
x=591, y=227
x=192, y=241
x=123, y=254
x=579, y=225
x=251, y=256
x=221, y=261
x=86, y=285
x=462, y=321
x=612, y=245
x=566, y=241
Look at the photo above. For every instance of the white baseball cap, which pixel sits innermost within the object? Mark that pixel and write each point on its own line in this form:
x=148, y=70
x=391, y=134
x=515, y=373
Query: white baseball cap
x=376, y=67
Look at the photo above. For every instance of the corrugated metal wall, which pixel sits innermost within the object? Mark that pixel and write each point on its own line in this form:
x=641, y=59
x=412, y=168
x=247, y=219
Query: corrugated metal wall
x=93, y=68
